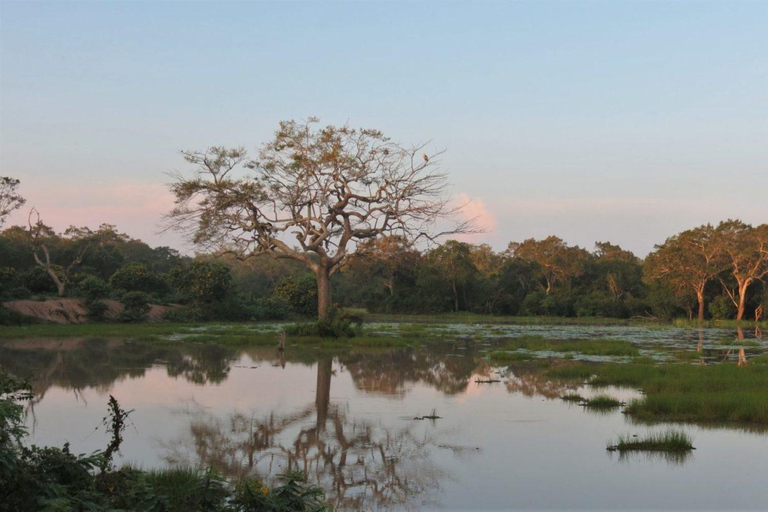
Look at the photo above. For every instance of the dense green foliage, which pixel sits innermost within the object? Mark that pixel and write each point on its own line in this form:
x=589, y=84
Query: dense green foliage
x=386, y=275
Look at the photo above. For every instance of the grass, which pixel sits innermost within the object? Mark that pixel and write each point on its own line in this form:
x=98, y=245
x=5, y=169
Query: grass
x=739, y=343
x=502, y=356
x=599, y=347
x=601, y=402
x=572, y=397
x=681, y=392
x=475, y=318
x=669, y=441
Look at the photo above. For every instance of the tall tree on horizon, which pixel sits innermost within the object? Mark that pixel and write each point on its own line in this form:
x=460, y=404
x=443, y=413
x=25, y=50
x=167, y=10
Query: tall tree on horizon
x=325, y=189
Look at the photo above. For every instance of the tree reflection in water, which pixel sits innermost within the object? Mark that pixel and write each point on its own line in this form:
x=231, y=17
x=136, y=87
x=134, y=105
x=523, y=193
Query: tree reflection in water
x=361, y=464
x=530, y=380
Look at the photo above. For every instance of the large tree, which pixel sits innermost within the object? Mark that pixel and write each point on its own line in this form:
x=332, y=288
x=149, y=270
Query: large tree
x=325, y=189
x=688, y=262
x=10, y=199
x=746, y=250
x=556, y=261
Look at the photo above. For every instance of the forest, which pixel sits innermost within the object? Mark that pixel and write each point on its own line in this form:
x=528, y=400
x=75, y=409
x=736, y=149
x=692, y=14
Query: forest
x=715, y=272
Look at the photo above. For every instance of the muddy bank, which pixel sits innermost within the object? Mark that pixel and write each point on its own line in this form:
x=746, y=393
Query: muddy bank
x=73, y=311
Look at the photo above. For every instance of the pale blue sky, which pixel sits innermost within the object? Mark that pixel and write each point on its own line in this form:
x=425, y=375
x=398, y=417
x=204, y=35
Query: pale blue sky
x=620, y=121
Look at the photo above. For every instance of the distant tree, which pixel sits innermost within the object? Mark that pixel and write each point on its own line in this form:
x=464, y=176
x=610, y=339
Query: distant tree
x=326, y=189
x=746, y=250
x=556, y=261
x=387, y=258
x=453, y=261
x=688, y=261
x=10, y=199
x=202, y=281
x=136, y=277
x=43, y=240
x=619, y=269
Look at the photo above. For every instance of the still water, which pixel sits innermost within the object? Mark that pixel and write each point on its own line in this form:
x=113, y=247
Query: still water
x=346, y=417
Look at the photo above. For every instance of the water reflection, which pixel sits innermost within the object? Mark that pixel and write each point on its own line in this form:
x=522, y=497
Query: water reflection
x=361, y=464
x=678, y=459
x=345, y=418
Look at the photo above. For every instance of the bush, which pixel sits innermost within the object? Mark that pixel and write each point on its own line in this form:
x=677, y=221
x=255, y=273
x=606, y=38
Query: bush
x=300, y=293
x=600, y=304
x=337, y=325
x=38, y=280
x=19, y=293
x=722, y=308
x=136, y=277
x=96, y=309
x=136, y=307
x=273, y=308
x=202, y=281
x=92, y=288
x=10, y=317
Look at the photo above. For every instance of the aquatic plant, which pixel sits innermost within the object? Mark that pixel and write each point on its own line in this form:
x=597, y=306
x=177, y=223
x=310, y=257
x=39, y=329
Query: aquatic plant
x=668, y=441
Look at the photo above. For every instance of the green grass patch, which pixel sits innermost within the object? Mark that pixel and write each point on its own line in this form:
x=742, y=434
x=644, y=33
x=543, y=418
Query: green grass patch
x=599, y=347
x=602, y=402
x=572, y=397
x=501, y=356
x=681, y=392
x=669, y=441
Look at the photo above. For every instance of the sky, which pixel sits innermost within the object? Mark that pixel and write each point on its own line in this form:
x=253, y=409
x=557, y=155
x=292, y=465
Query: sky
x=594, y=121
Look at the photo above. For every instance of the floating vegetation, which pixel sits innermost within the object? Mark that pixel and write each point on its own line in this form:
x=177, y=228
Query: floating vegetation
x=669, y=441
x=572, y=397
x=486, y=381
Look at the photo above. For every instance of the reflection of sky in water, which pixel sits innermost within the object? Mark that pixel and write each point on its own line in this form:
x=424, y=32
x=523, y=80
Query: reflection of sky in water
x=502, y=445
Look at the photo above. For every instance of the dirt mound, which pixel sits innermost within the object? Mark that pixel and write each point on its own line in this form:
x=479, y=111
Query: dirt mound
x=73, y=311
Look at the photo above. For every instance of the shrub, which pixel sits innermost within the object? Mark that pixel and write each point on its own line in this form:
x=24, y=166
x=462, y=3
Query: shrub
x=19, y=293
x=202, y=281
x=92, y=288
x=338, y=324
x=300, y=293
x=273, y=308
x=10, y=317
x=96, y=309
x=136, y=307
x=722, y=308
x=136, y=277
x=38, y=280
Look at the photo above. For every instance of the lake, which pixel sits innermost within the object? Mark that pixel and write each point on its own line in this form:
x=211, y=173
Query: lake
x=353, y=419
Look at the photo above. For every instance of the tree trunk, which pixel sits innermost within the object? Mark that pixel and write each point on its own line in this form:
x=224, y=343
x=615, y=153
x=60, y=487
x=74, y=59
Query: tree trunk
x=742, y=299
x=324, y=296
x=61, y=285
x=455, y=297
x=700, y=298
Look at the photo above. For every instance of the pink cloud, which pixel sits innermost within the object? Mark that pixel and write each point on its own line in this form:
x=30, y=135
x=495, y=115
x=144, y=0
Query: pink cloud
x=135, y=209
x=476, y=211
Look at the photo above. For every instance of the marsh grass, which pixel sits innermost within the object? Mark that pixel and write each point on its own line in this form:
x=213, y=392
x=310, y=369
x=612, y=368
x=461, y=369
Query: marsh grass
x=739, y=343
x=501, y=356
x=682, y=392
x=602, y=402
x=572, y=397
x=598, y=347
x=668, y=441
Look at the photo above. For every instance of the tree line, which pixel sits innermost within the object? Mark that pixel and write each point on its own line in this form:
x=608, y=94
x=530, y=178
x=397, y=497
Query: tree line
x=324, y=215
x=705, y=272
